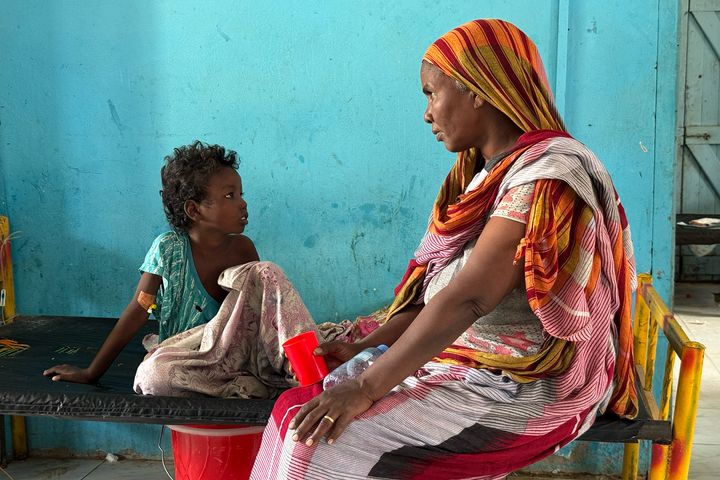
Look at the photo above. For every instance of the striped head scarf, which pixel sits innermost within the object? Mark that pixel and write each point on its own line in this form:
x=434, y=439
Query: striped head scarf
x=497, y=61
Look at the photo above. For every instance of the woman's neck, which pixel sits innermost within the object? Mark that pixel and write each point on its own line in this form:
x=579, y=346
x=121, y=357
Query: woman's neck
x=500, y=142
x=500, y=133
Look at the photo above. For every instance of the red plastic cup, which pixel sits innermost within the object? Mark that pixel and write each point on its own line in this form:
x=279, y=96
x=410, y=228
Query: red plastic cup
x=308, y=368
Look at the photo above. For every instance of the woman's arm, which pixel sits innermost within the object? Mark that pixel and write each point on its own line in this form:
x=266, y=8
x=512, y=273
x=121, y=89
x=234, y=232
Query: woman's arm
x=390, y=331
x=339, y=351
x=132, y=319
x=487, y=277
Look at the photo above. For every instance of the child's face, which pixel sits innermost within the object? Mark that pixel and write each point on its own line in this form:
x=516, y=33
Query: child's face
x=223, y=208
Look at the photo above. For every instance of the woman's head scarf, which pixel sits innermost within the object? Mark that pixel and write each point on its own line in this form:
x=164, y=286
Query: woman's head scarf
x=498, y=62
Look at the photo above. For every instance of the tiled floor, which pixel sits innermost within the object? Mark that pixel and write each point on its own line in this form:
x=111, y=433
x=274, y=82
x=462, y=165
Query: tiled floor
x=82, y=469
x=695, y=308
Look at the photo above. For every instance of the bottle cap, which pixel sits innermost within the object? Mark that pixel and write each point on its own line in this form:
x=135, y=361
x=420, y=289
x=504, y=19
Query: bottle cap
x=382, y=347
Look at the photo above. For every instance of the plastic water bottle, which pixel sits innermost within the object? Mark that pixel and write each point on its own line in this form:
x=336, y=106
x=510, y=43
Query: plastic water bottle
x=353, y=367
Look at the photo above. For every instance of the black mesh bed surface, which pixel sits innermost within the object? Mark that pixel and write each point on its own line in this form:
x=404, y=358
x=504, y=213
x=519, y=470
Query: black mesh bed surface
x=53, y=340
x=32, y=344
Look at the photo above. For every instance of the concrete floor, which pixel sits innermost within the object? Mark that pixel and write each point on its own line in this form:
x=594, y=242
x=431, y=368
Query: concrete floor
x=83, y=469
x=695, y=308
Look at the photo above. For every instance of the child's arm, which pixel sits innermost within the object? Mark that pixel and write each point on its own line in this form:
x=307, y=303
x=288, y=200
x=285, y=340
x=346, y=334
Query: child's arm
x=132, y=319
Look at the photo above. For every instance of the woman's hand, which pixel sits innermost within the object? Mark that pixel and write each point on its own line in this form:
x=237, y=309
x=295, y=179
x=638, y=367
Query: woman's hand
x=69, y=373
x=337, y=352
x=330, y=413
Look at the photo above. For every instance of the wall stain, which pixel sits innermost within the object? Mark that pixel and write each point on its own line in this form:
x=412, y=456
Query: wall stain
x=357, y=236
x=367, y=208
x=222, y=34
x=41, y=185
x=80, y=171
x=310, y=241
x=115, y=116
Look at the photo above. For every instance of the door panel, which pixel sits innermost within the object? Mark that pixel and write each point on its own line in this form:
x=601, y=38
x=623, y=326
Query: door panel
x=700, y=185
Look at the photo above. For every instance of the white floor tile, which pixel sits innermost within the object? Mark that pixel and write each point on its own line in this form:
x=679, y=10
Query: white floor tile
x=706, y=428
x=84, y=469
x=709, y=392
x=704, y=463
x=132, y=470
x=50, y=469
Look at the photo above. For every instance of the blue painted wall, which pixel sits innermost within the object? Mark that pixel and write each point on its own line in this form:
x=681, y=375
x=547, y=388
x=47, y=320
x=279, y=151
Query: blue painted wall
x=322, y=102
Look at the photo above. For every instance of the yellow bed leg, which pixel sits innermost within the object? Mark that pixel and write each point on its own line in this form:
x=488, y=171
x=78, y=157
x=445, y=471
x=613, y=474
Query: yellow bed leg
x=19, y=434
x=685, y=412
x=630, y=461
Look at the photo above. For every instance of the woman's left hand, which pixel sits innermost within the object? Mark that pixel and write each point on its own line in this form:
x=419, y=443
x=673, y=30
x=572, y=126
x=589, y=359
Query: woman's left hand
x=330, y=413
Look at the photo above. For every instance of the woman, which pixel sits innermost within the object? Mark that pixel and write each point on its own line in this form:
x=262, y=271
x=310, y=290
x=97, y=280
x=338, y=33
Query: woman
x=511, y=330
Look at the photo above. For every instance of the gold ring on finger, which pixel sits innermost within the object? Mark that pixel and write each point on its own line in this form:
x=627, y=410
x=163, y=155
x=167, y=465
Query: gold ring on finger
x=329, y=418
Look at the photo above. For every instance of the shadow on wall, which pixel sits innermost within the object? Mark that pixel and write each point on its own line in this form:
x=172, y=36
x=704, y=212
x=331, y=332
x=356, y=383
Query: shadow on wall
x=83, y=289
x=88, y=107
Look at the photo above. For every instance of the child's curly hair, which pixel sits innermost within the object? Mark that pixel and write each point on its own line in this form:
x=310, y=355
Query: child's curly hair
x=185, y=176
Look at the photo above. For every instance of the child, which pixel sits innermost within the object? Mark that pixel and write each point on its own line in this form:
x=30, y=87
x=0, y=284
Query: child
x=202, y=198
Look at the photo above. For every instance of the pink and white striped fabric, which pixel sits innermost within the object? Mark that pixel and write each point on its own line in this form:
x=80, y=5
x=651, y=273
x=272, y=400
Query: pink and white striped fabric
x=460, y=422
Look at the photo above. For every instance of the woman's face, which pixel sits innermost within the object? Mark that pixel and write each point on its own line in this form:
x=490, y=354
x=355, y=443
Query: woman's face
x=451, y=111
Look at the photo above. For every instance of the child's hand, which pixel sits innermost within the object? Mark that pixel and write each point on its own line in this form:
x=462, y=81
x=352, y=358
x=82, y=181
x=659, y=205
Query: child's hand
x=69, y=373
x=337, y=352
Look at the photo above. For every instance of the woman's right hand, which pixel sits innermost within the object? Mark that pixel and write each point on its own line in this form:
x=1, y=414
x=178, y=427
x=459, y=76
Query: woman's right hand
x=337, y=352
x=69, y=373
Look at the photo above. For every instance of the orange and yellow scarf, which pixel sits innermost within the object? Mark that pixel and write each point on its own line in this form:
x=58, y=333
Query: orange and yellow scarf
x=500, y=63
